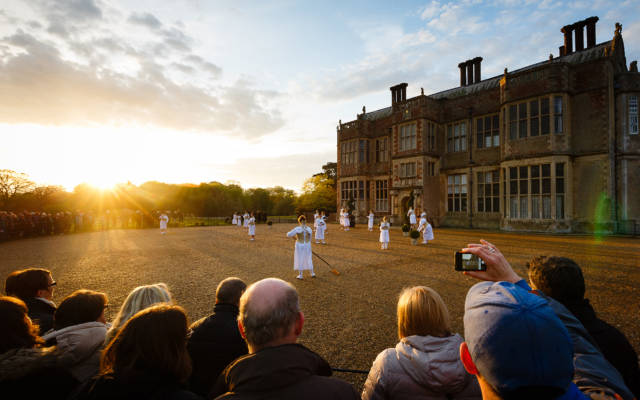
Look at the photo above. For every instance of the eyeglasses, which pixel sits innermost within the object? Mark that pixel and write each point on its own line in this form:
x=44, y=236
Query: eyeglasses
x=53, y=283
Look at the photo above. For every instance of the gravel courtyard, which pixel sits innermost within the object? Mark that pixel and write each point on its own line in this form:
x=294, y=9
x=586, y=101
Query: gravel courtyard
x=349, y=318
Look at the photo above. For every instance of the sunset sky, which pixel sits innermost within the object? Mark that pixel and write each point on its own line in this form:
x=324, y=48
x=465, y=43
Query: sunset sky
x=189, y=91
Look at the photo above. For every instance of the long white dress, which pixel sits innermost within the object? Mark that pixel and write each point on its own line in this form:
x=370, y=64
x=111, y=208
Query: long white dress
x=315, y=220
x=239, y=220
x=412, y=216
x=371, y=217
x=302, y=257
x=234, y=220
x=245, y=217
x=384, y=232
x=346, y=221
x=321, y=226
x=427, y=234
x=164, y=220
x=252, y=226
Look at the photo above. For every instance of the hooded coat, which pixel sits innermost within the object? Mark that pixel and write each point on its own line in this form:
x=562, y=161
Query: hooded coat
x=79, y=347
x=289, y=371
x=421, y=367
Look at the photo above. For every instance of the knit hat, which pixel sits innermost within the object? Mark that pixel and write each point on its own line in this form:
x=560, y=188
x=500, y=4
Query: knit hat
x=515, y=339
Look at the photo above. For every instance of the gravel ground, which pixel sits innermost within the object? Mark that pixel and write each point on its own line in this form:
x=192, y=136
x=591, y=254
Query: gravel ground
x=349, y=318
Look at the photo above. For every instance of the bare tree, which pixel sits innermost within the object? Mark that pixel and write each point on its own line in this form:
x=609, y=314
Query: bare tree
x=13, y=183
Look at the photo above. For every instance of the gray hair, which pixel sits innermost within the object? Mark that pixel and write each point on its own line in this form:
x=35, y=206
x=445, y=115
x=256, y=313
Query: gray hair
x=138, y=299
x=263, y=325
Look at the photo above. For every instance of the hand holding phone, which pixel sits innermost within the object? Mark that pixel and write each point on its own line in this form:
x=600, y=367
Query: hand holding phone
x=469, y=262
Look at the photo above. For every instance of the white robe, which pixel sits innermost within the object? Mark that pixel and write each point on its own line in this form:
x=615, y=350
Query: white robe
x=315, y=220
x=426, y=229
x=163, y=222
x=384, y=232
x=345, y=221
x=371, y=217
x=234, y=220
x=246, y=220
x=412, y=217
x=321, y=227
x=252, y=226
x=239, y=220
x=302, y=257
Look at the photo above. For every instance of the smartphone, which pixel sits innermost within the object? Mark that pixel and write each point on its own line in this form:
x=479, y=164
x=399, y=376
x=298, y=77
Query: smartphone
x=469, y=262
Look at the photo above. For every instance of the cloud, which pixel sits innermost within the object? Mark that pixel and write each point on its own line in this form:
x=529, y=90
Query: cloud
x=91, y=73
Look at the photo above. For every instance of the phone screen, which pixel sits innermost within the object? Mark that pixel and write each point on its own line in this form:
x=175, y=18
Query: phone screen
x=469, y=262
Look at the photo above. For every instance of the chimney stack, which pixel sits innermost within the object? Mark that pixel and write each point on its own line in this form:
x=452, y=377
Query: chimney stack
x=398, y=93
x=578, y=28
x=591, y=31
x=476, y=69
x=469, y=66
x=463, y=74
x=568, y=39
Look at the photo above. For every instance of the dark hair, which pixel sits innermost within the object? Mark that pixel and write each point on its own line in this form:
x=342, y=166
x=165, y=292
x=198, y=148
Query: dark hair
x=12, y=283
x=17, y=329
x=558, y=277
x=302, y=218
x=230, y=290
x=152, y=341
x=79, y=307
x=29, y=281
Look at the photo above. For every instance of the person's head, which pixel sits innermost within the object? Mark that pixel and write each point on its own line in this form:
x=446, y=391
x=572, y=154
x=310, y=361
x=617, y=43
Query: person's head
x=153, y=341
x=302, y=220
x=384, y=219
x=140, y=298
x=270, y=314
x=32, y=282
x=422, y=312
x=322, y=213
x=515, y=344
x=79, y=307
x=12, y=284
x=17, y=329
x=230, y=290
x=557, y=277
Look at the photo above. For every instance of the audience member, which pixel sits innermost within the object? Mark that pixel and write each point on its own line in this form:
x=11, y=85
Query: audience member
x=216, y=341
x=79, y=331
x=561, y=279
x=35, y=286
x=277, y=367
x=27, y=370
x=425, y=364
x=139, y=299
x=509, y=310
x=147, y=359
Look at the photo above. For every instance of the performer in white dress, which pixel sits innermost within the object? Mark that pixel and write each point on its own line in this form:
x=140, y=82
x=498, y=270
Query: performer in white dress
x=425, y=228
x=384, y=233
x=302, y=257
x=315, y=219
x=245, y=218
x=342, y=218
x=347, y=222
x=234, y=220
x=371, y=216
x=164, y=220
x=412, y=217
x=239, y=220
x=252, y=227
x=321, y=227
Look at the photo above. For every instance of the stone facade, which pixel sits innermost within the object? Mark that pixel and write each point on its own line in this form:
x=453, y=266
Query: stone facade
x=550, y=147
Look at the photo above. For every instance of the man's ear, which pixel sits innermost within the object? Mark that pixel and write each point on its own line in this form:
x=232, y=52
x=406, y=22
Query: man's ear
x=241, y=329
x=465, y=357
x=299, y=323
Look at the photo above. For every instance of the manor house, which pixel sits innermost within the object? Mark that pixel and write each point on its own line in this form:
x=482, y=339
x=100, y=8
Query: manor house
x=553, y=146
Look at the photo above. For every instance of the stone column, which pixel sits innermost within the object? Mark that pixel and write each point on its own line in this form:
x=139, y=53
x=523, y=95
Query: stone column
x=591, y=31
x=463, y=74
x=578, y=28
x=568, y=40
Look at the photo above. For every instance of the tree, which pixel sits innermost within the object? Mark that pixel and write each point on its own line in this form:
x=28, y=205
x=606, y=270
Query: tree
x=317, y=193
x=330, y=170
x=13, y=183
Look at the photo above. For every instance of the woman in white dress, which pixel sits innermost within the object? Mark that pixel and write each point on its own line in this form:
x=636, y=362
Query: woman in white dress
x=245, y=218
x=234, y=219
x=371, y=216
x=164, y=220
x=315, y=219
x=425, y=228
x=321, y=227
x=239, y=220
x=384, y=233
x=347, y=222
x=302, y=257
x=342, y=218
x=252, y=227
x=412, y=217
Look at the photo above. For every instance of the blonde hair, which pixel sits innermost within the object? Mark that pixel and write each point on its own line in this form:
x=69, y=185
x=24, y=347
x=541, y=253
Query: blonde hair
x=139, y=299
x=422, y=312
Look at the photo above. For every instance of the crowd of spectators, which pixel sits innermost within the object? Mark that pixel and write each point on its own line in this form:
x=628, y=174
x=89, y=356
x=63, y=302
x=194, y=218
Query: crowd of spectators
x=23, y=224
x=522, y=340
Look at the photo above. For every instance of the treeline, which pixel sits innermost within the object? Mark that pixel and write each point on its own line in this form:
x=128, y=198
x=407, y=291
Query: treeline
x=211, y=199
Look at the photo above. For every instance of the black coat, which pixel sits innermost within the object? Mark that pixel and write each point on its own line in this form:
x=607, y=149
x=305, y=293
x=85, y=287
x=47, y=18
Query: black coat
x=41, y=313
x=289, y=371
x=214, y=343
x=614, y=345
x=141, y=387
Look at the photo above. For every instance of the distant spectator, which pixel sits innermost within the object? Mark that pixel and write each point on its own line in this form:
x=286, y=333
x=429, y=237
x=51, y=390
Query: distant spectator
x=216, y=340
x=425, y=364
x=148, y=359
x=27, y=370
x=561, y=278
x=35, y=287
x=277, y=367
x=79, y=331
x=140, y=298
x=514, y=344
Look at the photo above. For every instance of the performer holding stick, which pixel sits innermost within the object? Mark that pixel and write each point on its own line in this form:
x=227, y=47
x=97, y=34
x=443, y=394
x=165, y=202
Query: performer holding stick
x=384, y=233
x=302, y=257
x=252, y=227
